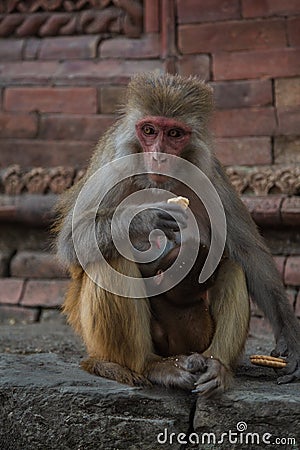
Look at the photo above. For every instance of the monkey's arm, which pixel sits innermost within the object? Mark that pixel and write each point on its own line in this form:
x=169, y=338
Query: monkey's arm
x=246, y=246
x=83, y=236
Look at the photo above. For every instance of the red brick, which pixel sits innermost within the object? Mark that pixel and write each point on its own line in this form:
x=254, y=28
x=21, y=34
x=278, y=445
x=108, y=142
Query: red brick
x=147, y=47
x=111, y=98
x=287, y=150
x=11, y=49
x=290, y=211
x=259, y=8
x=280, y=263
x=289, y=121
x=47, y=293
x=17, y=125
x=191, y=11
x=69, y=47
x=11, y=290
x=70, y=100
x=256, y=64
x=292, y=271
x=244, y=151
x=240, y=94
x=194, y=65
x=75, y=127
x=287, y=92
x=244, y=122
x=32, y=46
x=33, y=264
x=151, y=16
x=28, y=72
x=74, y=72
x=17, y=314
x=237, y=35
x=28, y=152
x=111, y=71
x=293, y=26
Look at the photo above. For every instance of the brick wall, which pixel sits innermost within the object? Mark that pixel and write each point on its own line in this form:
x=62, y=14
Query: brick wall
x=251, y=53
x=63, y=75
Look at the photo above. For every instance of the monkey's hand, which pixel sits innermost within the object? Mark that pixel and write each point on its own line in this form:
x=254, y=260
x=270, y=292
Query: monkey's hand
x=168, y=217
x=214, y=380
x=180, y=371
x=291, y=372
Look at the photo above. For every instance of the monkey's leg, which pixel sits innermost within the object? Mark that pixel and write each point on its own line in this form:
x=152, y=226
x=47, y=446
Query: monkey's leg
x=115, y=329
x=231, y=313
x=72, y=299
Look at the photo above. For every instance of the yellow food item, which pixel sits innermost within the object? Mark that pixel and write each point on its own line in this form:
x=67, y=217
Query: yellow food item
x=182, y=201
x=268, y=361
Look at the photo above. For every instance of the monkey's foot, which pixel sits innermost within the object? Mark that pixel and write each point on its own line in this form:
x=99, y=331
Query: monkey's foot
x=114, y=371
x=180, y=371
x=291, y=372
x=214, y=380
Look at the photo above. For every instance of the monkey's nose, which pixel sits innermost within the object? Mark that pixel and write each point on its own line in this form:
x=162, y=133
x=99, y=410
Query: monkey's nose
x=160, y=157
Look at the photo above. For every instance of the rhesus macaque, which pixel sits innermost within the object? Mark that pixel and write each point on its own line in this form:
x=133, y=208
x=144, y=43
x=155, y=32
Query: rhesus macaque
x=191, y=336
x=186, y=302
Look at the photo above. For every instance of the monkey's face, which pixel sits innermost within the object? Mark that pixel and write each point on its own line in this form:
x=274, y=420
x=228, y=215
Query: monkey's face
x=160, y=137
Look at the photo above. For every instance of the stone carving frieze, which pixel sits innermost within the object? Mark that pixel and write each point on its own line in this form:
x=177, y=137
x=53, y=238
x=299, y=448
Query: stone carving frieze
x=255, y=181
x=268, y=180
x=23, y=18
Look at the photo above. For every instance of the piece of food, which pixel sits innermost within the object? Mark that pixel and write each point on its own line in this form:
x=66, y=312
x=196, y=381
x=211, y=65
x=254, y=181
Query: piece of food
x=268, y=361
x=182, y=201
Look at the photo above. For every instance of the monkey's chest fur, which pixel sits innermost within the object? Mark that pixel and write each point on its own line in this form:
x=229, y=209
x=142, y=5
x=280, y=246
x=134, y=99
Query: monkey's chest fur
x=179, y=328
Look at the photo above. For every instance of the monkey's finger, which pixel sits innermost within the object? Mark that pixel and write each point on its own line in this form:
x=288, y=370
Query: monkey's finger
x=289, y=378
x=175, y=208
x=207, y=389
x=170, y=225
x=193, y=363
x=175, y=217
x=279, y=352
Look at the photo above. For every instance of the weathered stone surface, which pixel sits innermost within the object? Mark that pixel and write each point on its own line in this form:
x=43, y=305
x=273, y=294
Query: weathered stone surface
x=48, y=402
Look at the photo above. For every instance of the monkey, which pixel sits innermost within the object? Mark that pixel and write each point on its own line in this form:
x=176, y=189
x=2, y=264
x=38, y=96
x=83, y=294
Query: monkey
x=187, y=299
x=165, y=118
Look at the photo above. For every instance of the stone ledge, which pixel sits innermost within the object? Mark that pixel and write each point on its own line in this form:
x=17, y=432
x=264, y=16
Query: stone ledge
x=37, y=209
x=48, y=402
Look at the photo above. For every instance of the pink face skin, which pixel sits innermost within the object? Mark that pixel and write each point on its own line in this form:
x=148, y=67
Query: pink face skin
x=161, y=135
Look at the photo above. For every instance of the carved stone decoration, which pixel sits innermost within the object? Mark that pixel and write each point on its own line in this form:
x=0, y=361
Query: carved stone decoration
x=288, y=181
x=261, y=181
x=265, y=180
x=61, y=178
x=238, y=180
x=12, y=180
x=255, y=181
x=36, y=181
x=24, y=18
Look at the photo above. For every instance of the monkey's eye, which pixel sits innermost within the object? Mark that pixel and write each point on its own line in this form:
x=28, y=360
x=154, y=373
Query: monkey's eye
x=148, y=130
x=176, y=133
